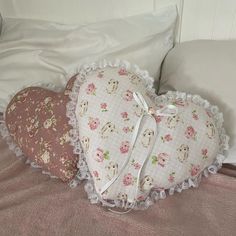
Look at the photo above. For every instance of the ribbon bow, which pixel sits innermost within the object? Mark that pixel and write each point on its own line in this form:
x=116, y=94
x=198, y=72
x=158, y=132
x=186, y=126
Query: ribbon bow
x=168, y=110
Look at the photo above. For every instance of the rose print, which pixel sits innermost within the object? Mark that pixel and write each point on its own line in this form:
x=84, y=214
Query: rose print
x=103, y=107
x=91, y=89
x=195, y=115
x=204, y=153
x=128, y=129
x=122, y=71
x=194, y=170
x=93, y=123
x=157, y=118
x=128, y=179
x=96, y=175
x=160, y=159
x=124, y=148
x=171, y=177
x=166, y=138
x=128, y=95
x=124, y=115
x=190, y=133
x=100, y=155
x=136, y=165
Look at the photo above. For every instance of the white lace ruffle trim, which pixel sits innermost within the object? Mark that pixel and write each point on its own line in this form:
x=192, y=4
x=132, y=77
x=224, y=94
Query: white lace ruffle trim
x=84, y=174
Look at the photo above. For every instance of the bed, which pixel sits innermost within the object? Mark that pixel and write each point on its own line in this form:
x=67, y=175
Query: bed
x=35, y=204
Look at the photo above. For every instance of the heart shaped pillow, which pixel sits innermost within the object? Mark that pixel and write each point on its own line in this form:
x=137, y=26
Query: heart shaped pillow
x=36, y=120
x=138, y=145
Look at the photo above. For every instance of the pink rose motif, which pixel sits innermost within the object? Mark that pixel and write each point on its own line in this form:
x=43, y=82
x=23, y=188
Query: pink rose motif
x=190, y=133
x=124, y=115
x=167, y=138
x=103, y=106
x=128, y=95
x=128, y=179
x=122, y=71
x=137, y=166
x=171, y=178
x=93, y=123
x=124, y=148
x=99, y=155
x=126, y=129
x=158, y=118
x=95, y=173
x=162, y=159
x=91, y=89
x=194, y=170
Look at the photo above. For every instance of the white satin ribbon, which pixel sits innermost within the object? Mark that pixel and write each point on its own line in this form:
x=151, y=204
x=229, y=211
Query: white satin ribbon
x=168, y=110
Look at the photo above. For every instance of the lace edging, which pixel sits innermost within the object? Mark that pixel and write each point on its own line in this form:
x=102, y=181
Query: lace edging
x=154, y=195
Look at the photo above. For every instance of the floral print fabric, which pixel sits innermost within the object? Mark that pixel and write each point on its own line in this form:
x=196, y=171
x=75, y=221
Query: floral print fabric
x=36, y=119
x=107, y=114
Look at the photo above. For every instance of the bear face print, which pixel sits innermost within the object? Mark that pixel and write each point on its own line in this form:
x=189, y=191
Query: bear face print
x=172, y=121
x=107, y=129
x=122, y=197
x=85, y=143
x=112, y=86
x=147, y=137
x=146, y=183
x=210, y=129
x=112, y=170
x=183, y=152
x=134, y=79
x=83, y=107
x=138, y=111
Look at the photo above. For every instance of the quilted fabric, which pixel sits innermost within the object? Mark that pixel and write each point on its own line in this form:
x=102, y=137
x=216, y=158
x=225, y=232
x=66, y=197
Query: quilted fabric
x=37, y=122
x=168, y=149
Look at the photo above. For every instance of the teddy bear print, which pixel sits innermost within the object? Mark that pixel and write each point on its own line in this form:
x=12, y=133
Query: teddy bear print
x=107, y=129
x=210, y=129
x=122, y=197
x=146, y=183
x=112, y=86
x=147, y=137
x=183, y=152
x=138, y=111
x=112, y=170
x=134, y=79
x=85, y=143
x=172, y=121
x=83, y=107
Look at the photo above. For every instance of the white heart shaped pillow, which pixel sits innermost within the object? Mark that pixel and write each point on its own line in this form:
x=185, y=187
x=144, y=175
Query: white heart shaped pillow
x=138, y=145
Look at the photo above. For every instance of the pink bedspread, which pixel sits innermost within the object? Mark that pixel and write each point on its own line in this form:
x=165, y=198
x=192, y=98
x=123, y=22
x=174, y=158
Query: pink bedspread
x=33, y=204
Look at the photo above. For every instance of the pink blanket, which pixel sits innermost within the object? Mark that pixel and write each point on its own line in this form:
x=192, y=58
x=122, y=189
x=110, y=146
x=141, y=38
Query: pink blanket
x=34, y=204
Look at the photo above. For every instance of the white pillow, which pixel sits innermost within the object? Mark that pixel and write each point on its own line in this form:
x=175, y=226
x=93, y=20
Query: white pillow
x=208, y=69
x=0, y=23
x=34, y=51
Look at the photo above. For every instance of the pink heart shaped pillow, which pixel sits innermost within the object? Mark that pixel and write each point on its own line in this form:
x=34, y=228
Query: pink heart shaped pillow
x=36, y=120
